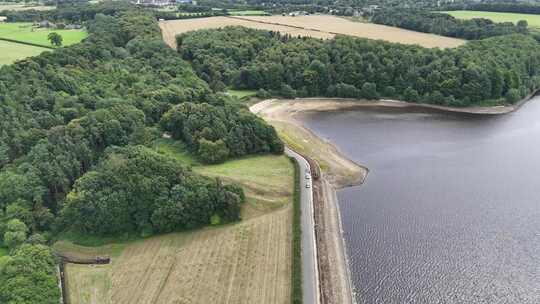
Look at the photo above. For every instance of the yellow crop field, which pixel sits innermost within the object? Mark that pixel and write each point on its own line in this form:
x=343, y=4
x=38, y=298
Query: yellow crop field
x=317, y=26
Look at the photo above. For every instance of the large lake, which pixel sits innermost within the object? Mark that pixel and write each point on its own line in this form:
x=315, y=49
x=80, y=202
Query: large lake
x=450, y=211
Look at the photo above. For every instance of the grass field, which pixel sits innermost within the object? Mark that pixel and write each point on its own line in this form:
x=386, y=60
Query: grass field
x=3, y=251
x=244, y=262
x=247, y=13
x=23, y=7
x=23, y=31
x=317, y=26
x=10, y=51
x=242, y=93
x=533, y=20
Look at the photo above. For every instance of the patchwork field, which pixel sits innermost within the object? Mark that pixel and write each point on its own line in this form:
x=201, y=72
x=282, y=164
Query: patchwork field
x=23, y=31
x=533, y=20
x=317, y=26
x=23, y=7
x=245, y=262
x=10, y=51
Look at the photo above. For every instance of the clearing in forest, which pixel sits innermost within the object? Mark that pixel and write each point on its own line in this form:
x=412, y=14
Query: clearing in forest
x=317, y=26
x=244, y=262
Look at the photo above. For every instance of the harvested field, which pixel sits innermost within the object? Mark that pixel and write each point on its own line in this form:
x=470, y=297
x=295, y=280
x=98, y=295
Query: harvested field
x=337, y=25
x=172, y=28
x=317, y=26
x=245, y=262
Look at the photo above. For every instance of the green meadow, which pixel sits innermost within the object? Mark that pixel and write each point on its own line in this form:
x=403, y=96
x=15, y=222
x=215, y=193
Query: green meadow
x=25, y=32
x=533, y=20
x=11, y=51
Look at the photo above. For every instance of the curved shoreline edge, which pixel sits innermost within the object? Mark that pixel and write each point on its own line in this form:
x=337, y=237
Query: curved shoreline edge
x=286, y=111
x=351, y=103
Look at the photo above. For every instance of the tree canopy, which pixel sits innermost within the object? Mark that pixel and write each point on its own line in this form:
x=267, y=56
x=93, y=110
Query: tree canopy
x=498, y=70
x=136, y=189
x=73, y=126
x=446, y=25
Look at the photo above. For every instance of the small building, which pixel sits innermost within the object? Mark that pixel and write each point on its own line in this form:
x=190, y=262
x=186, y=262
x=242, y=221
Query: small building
x=46, y=24
x=153, y=2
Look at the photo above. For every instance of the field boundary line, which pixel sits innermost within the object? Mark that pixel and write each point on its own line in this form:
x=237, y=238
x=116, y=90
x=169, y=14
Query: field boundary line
x=246, y=18
x=27, y=43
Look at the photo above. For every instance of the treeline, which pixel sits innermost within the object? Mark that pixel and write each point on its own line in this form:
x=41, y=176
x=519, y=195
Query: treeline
x=446, y=25
x=77, y=117
x=134, y=189
x=73, y=12
x=499, y=70
x=29, y=276
x=502, y=7
x=216, y=133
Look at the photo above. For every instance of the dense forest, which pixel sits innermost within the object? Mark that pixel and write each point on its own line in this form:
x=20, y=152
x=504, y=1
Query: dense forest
x=74, y=124
x=446, y=25
x=499, y=70
x=503, y=7
x=68, y=11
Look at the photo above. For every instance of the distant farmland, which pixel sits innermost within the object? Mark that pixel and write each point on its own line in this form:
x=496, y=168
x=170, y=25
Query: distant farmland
x=533, y=20
x=317, y=26
x=25, y=32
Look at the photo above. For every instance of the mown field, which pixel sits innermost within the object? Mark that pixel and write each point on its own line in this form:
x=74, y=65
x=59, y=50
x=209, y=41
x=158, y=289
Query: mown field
x=245, y=262
x=247, y=13
x=10, y=51
x=533, y=20
x=23, y=31
x=21, y=7
x=317, y=26
x=242, y=93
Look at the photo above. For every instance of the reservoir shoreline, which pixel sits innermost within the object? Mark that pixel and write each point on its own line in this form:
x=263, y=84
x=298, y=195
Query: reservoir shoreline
x=285, y=116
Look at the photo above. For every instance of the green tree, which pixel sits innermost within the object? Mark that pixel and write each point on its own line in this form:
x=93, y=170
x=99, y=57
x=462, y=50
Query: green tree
x=212, y=152
x=369, y=91
x=55, y=39
x=512, y=96
x=29, y=276
x=15, y=233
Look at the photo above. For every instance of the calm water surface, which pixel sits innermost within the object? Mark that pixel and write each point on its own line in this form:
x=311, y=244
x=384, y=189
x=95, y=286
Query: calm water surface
x=450, y=211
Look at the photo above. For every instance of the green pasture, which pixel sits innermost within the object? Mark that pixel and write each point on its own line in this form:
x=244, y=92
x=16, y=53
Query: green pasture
x=533, y=20
x=11, y=51
x=25, y=32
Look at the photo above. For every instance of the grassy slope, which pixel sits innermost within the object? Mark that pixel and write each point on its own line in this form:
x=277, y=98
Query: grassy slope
x=268, y=182
x=10, y=51
x=3, y=251
x=22, y=31
x=533, y=20
x=242, y=93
